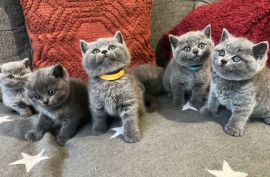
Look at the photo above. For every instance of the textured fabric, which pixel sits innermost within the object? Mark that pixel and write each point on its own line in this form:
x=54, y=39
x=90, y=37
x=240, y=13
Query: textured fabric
x=248, y=18
x=14, y=41
x=174, y=143
x=56, y=26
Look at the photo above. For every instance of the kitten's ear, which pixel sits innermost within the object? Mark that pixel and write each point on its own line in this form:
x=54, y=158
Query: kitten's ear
x=225, y=35
x=84, y=46
x=25, y=62
x=118, y=35
x=207, y=31
x=57, y=71
x=260, y=49
x=173, y=40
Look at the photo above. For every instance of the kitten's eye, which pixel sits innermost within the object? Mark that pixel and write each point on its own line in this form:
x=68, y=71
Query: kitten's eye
x=236, y=58
x=221, y=53
x=22, y=74
x=10, y=76
x=187, y=49
x=111, y=47
x=51, y=92
x=95, y=51
x=201, y=45
x=36, y=97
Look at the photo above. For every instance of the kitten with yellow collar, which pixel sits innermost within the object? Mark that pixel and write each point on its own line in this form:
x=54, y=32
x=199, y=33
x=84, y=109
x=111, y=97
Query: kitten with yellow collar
x=113, y=89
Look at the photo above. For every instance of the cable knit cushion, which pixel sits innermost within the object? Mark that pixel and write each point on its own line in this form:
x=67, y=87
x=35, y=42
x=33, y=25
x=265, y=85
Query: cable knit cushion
x=248, y=18
x=56, y=26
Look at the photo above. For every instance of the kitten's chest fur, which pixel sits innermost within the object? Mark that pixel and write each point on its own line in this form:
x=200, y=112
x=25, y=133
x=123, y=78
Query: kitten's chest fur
x=13, y=97
x=112, y=95
x=255, y=90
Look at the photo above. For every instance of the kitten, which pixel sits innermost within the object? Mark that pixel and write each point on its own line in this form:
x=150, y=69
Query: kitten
x=60, y=100
x=239, y=81
x=13, y=76
x=189, y=70
x=119, y=96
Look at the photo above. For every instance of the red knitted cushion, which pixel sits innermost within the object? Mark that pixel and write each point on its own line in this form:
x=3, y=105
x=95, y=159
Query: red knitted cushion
x=55, y=28
x=248, y=18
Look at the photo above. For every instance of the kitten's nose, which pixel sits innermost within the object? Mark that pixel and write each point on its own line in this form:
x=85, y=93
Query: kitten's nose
x=195, y=51
x=45, y=102
x=104, y=51
x=223, y=62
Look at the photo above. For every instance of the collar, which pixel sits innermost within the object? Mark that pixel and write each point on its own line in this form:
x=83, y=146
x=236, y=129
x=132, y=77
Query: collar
x=112, y=77
x=194, y=67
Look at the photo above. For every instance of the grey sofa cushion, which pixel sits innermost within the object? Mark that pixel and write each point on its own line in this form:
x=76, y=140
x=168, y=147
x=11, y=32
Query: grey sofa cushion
x=14, y=43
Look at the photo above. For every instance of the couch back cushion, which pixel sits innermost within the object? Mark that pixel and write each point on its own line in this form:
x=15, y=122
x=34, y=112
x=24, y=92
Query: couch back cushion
x=14, y=41
x=55, y=28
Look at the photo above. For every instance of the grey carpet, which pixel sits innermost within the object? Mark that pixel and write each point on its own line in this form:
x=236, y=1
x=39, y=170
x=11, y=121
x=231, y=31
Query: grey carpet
x=173, y=143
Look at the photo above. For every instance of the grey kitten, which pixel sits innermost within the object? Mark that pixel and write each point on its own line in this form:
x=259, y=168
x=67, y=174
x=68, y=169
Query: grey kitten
x=122, y=97
x=189, y=70
x=13, y=76
x=239, y=81
x=60, y=100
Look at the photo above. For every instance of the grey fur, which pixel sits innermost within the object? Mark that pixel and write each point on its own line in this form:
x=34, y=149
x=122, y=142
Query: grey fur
x=242, y=86
x=119, y=98
x=178, y=80
x=13, y=76
x=151, y=77
x=59, y=99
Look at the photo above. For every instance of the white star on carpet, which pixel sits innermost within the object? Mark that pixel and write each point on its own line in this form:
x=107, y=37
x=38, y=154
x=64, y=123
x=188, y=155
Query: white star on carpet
x=227, y=172
x=30, y=161
x=188, y=106
x=4, y=119
x=118, y=131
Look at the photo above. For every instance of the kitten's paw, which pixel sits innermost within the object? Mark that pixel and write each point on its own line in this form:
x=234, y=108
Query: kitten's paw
x=25, y=115
x=61, y=141
x=178, y=102
x=132, y=137
x=30, y=136
x=206, y=111
x=267, y=121
x=98, y=132
x=196, y=104
x=233, y=131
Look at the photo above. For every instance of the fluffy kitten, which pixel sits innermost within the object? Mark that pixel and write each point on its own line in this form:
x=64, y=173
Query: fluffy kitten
x=12, y=79
x=60, y=100
x=122, y=97
x=239, y=81
x=189, y=70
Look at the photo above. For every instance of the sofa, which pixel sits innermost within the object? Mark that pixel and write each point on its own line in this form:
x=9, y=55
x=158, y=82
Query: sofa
x=175, y=141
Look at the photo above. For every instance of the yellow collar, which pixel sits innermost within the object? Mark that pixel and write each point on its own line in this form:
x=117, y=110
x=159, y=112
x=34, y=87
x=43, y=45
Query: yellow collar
x=112, y=77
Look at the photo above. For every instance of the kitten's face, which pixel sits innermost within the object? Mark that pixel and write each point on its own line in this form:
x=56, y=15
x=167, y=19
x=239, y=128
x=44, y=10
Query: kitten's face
x=192, y=48
x=105, y=55
x=13, y=74
x=48, y=87
x=237, y=58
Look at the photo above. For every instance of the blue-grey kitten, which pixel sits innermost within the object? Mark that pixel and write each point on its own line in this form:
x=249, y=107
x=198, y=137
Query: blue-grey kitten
x=60, y=100
x=189, y=70
x=13, y=76
x=120, y=97
x=239, y=81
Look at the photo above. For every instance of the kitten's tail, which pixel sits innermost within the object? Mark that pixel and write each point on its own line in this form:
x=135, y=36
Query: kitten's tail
x=151, y=103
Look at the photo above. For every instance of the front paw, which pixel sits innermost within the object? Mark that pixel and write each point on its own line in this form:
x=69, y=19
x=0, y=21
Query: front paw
x=26, y=113
x=267, y=121
x=132, y=137
x=206, y=111
x=31, y=136
x=61, y=140
x=98, y=132
x=233, y=131
x=196, y=103
x=177, y=102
